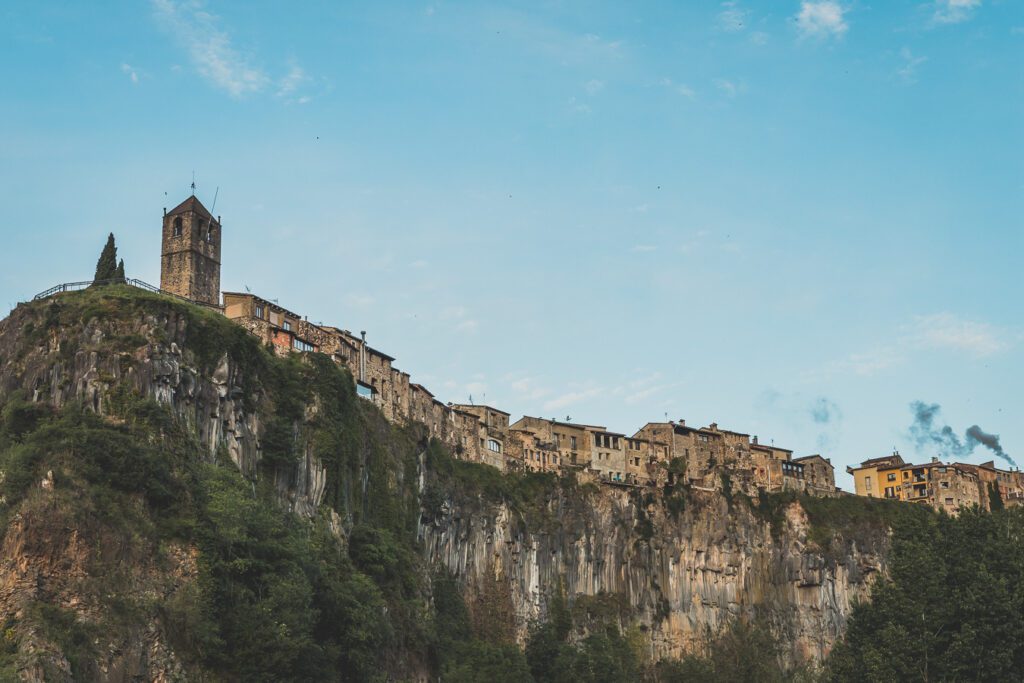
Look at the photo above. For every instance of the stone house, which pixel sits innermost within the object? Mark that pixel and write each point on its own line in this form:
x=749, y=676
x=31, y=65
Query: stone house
x=570, y=440
x=526, y=451
x=646, y=461
x=492, y=432
x=283, y=330
x=608, y=454
x=818, y=474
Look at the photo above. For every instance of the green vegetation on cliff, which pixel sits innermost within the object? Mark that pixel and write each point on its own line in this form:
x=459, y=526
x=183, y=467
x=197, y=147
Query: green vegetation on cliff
x=141, y=540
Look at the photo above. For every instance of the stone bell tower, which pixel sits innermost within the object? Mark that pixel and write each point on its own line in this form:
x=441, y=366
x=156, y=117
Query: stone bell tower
x=190, y=253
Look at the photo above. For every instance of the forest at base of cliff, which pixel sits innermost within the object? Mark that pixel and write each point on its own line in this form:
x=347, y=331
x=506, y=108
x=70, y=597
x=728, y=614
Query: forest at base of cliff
x=143, y=537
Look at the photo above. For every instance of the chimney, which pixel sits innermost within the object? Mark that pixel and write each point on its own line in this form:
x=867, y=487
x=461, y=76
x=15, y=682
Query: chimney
x=713, y=427
x=755, y=440
x=935, y=459
x=682, y=422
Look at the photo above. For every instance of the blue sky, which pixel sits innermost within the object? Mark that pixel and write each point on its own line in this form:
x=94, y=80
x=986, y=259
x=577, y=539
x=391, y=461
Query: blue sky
x=792, y=218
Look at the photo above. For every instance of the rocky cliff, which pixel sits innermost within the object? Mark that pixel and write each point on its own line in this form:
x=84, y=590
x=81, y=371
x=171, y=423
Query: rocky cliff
x=673, y=565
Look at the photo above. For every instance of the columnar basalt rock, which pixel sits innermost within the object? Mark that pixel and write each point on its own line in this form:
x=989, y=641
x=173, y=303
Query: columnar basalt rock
x=690, y=577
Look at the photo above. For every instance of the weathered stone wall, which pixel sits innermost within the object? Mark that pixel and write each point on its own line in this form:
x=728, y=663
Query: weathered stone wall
x=692, y=576
x=190, y=262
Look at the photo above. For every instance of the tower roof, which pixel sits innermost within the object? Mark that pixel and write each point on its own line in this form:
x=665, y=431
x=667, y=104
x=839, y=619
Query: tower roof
x=192, y=204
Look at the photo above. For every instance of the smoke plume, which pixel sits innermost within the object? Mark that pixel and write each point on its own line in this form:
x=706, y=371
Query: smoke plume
x=927, y=434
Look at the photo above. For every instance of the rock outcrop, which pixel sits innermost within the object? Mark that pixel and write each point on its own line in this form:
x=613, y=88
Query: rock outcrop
x=682, y=574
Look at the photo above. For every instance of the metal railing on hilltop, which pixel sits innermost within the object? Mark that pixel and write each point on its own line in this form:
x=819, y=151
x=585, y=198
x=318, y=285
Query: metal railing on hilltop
x=131, y=282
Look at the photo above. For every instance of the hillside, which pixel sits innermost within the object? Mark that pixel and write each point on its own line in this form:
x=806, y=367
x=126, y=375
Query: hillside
x=176, y=503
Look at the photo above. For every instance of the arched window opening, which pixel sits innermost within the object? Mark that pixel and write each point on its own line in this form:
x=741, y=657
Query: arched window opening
x=177, y=226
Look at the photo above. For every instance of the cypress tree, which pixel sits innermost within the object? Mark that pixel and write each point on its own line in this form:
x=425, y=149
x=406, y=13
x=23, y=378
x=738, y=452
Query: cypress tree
x=106, y=266
x=119, y=273
x=995, y=501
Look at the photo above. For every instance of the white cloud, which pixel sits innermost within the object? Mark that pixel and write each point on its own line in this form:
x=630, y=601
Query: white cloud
x=728, y=87
x=571, y=397
x=732, y=18
x=908, y=72
x=946, y=331
x=759, y=38
x=936, y=331
x=467, y=326
x=678, y=88
x=821, y=19
x=954, y=11
x=643, y=248
x=594, y=86
x=132, y=72
x=209, y=47
x=577, y=106
x=295, y=78
x=529, y=388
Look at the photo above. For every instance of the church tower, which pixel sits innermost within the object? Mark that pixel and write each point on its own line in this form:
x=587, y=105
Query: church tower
x=190, y=253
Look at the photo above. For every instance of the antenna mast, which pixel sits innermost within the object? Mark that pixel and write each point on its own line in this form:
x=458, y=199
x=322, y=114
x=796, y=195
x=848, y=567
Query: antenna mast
x=215, y=193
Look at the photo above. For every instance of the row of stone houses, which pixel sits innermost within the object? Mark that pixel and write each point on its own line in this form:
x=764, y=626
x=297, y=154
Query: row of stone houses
x=659, y=453
x=943, y=486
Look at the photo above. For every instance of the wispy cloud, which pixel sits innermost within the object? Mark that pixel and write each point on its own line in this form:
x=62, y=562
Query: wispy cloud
x=571, y=398
x=643, y=248
x=678, y=88
x=946, y=331
x=593, y=86
x=292, y=81
x=730, y=88
x=937, y=331
x=954, y=11
x=528, y=388
x=908, y=71
x=131, y=72
x=579, y=107
x=209, y=47
x=823, y=19
x=732, y=18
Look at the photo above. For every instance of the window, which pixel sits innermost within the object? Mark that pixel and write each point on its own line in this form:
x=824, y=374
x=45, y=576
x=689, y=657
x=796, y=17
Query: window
x=890, y=492
x=177, y=226
x=867, y=483
x=493, y=445
x=906, y=475
x=572, y=442
x=259, y=311
x=364, y=390
x=949, y=501
x=945, y=484
x=303, y=345
x=891, y=476
x=287, y=325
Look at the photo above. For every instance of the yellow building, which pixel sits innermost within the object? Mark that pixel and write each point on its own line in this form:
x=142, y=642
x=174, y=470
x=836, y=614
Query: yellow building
x=879, y=477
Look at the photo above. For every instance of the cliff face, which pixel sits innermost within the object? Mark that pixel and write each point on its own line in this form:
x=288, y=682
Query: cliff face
x=683, y=577
x=142, y=351
x=677, y=572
